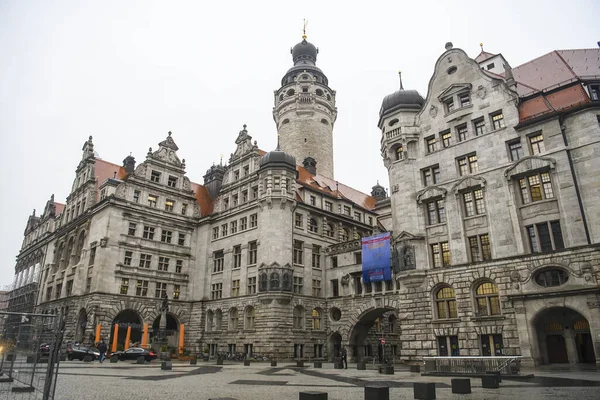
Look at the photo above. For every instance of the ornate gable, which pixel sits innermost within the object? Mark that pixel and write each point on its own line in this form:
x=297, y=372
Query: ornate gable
x=467, y=182
x=244, y=144
x=527, y=164
x=430, y=192
x=454, y=89
x=167, y=153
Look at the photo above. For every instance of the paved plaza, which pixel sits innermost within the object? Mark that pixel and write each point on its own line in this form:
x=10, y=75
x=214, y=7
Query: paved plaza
x=260, y=381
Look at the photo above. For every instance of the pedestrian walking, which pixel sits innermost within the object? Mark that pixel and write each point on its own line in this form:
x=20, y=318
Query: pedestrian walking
x=102, y=349
x=345, y=358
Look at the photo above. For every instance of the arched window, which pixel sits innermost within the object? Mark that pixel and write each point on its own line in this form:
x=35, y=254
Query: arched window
x=263, y=282
x=291, y=92
x=392, y=323
x=344, y=235
x=285, y=121
x=393, y=122
x=324, y=121
x=330, y=231
x=233, y=319
x=313, y=226
x=398, y=153
x=316, y=320
x=298, y=317
x=357, y=235
x=218, y=320
x=281, y=97
x=249, y=322
x=274, y=281
x=79, y=247
x=329, y=97
x=487, y=299
x=319, y=92
x=287, y=282
x=209, y=321
x=445, y=300
x=70, y=247
x=58, y=252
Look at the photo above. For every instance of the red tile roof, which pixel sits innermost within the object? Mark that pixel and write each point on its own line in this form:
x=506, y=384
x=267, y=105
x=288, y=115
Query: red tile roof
x=106, y=170
x=203, y=199
x=59, y=208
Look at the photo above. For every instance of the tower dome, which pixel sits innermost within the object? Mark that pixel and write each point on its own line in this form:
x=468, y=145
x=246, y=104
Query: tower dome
x=401, y=99
x=304, y=53
x=278, y=158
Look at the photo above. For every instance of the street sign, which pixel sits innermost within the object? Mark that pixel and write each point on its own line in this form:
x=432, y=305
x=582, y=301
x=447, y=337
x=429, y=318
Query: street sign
x=382, y=340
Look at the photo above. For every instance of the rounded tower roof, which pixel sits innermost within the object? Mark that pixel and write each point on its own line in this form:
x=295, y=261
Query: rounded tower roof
x=278, y=158
x=304, y=52
x=401, y=99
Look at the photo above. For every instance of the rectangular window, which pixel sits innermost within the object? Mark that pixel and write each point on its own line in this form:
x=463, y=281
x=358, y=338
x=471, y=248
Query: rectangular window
x=448, y=346
x=445, y=138
x=357, y=216
x=145, y=260
x=69, y=288
x=313, y=201
x=246, y=170
x=169, y=205
x=233, y=227
x=334, y=262
x=128, y=257
x=224, y=230
x=440, y=253
x=183, y=209
x=226, y=203
x=235, y=287
x=244, y=196
x=88, y=284
x=491, y=345
x=148, y=233
x=243, y=223
x=252, y=253
x=152, y=200
x=316, y=287
x=236, y=174
x=335, y=288
x=536, y=142
x=254, y=192
x=461, y=132
x=298, y=284
x=316, y=256
x=467, y=165
x=163, y=263
x=358, y=257
x=497, y=120
x=136, y=196
x=132, y=228
x=252, y=285
x=124, y=286
x=480, y=248
x=92, y=258
x=181, y=239
x=235, y=200
x=479, y=126
x=545, y=237
x=218, y=257
x=298, y=252
x=161, y=290
x=328, y=206
x=253, y=220
x=176, y=292
x=166, y=236
x=172, y=182
x=536, y=187
x=358, y=283
x=473, y=202
x=430, y=143
x=141, y=288
x=347, y=210
x=155, y=176
x=178, y=266
x=299, y=220
x=237, y=256
x=431, y=175
x=449, y=104
x=49, y=293
x=515, y=150
x=464, y=100
x=58, y=291
x=436, y=212
x=215, y=232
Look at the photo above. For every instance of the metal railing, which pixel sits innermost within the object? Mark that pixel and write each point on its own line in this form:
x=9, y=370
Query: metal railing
x=506, y=365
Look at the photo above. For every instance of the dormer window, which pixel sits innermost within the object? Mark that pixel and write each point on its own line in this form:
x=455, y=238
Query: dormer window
x=490, y=66
x=449, y=104
x=155, y=176
x=172, y=182
x=594, y=91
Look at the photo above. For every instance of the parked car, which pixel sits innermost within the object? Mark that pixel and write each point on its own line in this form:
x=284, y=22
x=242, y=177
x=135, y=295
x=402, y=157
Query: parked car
x=44, y=350
x=135, y=352
x=79, y=352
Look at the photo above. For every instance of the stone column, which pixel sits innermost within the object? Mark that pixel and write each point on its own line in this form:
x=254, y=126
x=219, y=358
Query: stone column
x=571, y=347
x=523, y=330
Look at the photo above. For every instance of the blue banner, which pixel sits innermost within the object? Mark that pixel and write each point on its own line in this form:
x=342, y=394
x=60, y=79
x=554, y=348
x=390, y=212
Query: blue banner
x=376, y=258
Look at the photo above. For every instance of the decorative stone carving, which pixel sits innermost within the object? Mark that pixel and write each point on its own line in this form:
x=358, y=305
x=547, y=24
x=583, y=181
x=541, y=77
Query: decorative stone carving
x=395, y=188
x=187, y=185
x=519, y=310
x=140, y=170
x=432, y=191
x=121, y=191
x=345, y=279
x=526, y=164
x=481, y=92
x=433, y=111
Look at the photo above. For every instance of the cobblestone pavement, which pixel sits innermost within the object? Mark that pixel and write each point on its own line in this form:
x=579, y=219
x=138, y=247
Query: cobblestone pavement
x=125, y=380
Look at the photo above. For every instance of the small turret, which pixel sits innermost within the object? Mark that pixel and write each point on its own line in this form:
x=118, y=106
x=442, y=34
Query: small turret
x=213, y=180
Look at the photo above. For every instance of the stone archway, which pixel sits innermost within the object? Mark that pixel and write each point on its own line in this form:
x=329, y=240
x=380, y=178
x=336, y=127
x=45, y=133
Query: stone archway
x=172, y=329
x=125, y=319
x=563, y=336
x=365, y=336
x=335, y=345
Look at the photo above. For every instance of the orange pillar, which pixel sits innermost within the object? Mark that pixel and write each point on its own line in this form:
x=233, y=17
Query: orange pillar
x=98, y=327
x=181, y=333
x=145, y=336
x=127, y=338
x=115, y=338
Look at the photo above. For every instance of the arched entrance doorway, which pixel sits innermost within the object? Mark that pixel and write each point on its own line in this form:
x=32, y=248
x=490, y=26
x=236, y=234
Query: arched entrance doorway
x=564, y=336
x=82, y=321
x=335, y=345
x=374, y=335
x=172, y=330
x=126, y=319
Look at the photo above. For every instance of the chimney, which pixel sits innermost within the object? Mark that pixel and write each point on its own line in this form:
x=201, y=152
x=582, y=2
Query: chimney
x=214, y=179
x=310, y=164
x=129, y=164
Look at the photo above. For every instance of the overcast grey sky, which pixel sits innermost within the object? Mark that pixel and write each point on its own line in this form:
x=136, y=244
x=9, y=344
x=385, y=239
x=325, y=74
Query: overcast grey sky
x=126, y=72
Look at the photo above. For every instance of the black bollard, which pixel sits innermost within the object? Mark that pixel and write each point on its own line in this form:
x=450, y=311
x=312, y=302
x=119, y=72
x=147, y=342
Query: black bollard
x=318, y=364
x=273, y=363
x=313, y=396
x=490, y=382
x=140, y=360
x=461, y=385
x=424, y=391
x=166, y=365
x=377, y=393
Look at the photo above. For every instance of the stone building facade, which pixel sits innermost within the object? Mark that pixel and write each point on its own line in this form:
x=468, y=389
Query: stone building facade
x=492, y=211
x=494, y=199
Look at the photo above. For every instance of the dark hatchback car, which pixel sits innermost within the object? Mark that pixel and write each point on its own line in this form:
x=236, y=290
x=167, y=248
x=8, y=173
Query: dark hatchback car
x=79, y=352
x=134, y=353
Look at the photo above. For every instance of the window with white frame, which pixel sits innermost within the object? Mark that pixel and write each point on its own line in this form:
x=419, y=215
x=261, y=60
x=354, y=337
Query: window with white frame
x=536, y=187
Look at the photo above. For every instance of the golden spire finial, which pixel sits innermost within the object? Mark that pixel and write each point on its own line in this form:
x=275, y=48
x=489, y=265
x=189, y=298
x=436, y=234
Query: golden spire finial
x=481, y=45
x=304, y=29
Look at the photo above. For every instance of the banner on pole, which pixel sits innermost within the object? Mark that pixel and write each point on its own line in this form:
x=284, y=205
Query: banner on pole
x=376, y=258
